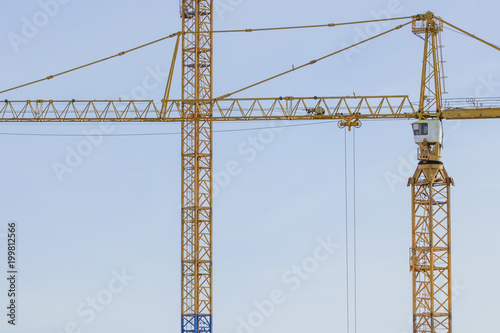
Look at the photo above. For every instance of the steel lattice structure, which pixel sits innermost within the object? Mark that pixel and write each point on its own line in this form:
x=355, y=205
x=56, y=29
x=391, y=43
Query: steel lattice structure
x=430, y=259
x=197, y=166
x=349, y=110
x=431, y=251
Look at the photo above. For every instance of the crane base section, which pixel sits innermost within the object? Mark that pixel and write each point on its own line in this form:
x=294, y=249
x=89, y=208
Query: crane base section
x=196, y=324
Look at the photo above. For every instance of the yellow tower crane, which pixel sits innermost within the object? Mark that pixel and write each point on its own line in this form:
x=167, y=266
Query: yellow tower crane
x=430, y=259
x=197, y=27
x=197, y=109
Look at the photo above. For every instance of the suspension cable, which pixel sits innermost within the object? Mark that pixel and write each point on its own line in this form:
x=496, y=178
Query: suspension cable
x=263, y=29
x=92, y=63
x=312, y=62
x=470, y=35
x=329, y=25
x=182, y=33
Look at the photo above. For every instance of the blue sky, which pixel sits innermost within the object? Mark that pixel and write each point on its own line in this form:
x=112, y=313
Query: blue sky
x=110, y=229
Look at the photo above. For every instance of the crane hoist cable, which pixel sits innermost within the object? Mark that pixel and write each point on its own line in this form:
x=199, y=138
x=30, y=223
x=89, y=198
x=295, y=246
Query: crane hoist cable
x=354, y=236
x=346, y=193
x=355, y=245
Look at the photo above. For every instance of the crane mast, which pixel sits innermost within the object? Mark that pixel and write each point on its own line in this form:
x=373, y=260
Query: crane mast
x=430, y=192
x=197, y=70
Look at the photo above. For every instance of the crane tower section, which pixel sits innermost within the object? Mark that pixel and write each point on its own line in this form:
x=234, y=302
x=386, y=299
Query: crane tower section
x=430, y=191
x=430, y=252
x=197, y=166
x=429, y=27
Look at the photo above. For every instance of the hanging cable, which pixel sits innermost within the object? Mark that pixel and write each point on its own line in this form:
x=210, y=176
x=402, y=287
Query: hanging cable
x=354, y=315
x=163, y=133
x=456, y=31
x=346, y=231
x=354, y=232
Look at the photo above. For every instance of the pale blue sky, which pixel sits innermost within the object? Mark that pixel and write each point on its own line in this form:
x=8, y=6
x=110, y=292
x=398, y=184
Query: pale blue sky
x=119, y=207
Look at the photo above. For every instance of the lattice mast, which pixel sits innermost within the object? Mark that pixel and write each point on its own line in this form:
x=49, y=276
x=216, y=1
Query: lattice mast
x=197, y=166
x=429, y=27
x=430, y=190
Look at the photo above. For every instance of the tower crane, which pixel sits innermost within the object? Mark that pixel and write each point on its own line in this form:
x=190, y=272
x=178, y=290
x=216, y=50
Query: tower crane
x=198, y=109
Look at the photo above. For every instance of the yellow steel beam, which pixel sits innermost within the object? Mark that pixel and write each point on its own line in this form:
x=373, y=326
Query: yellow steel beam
x=471, y=113
x=430, y=251
x=170, y=75
x=430, y=260
x=282, y=108
x=346, y=109
x=197, y=143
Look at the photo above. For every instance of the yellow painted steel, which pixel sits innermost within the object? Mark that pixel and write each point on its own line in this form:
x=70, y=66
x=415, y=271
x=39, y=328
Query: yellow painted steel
x=430, y=87
x=197, y=142
x=170, y=77
x=347, y=109
x=281, y=108
x=430, y=259
x=475, y=113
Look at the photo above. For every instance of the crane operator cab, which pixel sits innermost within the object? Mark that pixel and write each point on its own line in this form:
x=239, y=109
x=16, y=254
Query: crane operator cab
x=428, y=136
x=430, y=131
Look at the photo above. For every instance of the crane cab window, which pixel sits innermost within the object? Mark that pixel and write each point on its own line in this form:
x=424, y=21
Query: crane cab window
x=420, y=129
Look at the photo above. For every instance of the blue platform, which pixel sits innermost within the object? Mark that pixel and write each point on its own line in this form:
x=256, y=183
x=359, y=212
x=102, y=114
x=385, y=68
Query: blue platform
x=196, y=324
